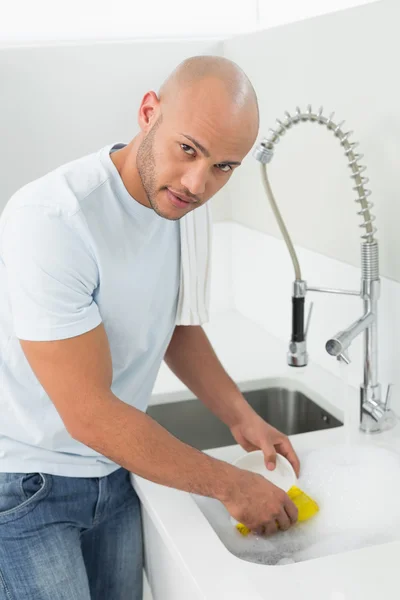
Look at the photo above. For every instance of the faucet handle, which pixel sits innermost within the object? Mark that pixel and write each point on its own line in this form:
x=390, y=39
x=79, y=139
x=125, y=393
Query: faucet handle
x=388, y=398
x=308, y=320
x=344, y=357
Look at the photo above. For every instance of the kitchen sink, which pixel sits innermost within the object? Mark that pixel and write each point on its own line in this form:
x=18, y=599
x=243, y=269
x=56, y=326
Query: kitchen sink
x=337, y=467
x=288, y=410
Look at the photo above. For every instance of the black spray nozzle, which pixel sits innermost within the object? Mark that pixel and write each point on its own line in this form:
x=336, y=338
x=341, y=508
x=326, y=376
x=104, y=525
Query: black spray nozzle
x=298, y=334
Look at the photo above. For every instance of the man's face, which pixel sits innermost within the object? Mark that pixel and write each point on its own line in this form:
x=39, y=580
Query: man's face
x=193, y=149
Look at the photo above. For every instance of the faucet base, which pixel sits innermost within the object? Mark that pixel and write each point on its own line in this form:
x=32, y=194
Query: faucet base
x=369, y=425
x=375, y=416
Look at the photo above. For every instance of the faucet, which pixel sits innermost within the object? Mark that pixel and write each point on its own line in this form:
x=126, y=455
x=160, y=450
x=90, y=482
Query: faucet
x=375, y=413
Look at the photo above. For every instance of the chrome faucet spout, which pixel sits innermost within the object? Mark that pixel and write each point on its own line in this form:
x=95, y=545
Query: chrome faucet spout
x=342, y=340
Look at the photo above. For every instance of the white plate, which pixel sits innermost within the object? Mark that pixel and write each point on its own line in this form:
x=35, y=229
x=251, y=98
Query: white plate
x=282, y=476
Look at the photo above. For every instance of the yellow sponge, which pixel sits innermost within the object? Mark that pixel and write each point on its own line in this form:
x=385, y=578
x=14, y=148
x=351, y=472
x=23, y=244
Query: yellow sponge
x=306, y=506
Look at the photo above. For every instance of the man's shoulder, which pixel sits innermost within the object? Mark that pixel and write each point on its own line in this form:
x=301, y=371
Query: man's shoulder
x=62, y=189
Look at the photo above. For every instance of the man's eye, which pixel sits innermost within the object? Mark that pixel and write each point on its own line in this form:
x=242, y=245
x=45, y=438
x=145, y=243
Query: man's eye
x=227, y=167
x=186, y=148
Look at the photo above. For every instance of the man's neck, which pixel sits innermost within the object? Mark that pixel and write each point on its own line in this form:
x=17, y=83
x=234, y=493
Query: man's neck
x=125, y=163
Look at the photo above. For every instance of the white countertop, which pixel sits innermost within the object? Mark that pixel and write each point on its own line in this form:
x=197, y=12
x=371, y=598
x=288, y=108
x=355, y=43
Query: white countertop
x=254, y=359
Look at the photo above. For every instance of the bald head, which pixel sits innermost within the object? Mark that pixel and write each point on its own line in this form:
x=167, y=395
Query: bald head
x=215, y=72
x=194, y=134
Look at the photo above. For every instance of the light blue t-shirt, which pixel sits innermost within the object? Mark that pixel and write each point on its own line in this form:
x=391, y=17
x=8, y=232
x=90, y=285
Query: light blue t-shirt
x=77, y=250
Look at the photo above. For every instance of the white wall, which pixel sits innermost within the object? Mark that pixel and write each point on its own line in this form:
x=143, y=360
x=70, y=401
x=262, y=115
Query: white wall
x=347, y=62
x=272, y=13
x=45, y=20
x=59, y=102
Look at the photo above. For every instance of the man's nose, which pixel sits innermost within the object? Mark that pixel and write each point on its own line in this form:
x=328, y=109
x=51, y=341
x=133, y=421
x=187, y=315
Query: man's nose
x=195, y=179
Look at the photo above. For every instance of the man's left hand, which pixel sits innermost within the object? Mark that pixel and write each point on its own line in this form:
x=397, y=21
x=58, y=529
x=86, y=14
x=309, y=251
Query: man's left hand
x=253, y=433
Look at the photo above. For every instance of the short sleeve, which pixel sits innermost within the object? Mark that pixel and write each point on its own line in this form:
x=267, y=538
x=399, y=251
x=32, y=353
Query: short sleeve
x=51, y=274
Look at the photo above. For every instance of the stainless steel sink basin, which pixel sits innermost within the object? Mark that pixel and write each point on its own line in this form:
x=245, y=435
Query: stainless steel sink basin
x=290, y=411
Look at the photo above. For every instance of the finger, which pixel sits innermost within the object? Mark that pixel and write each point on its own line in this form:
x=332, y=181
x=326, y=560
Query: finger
x=269, y=456
x=246, y=445
x=285, y=448
x=283, y=520
x=260, y=530
x=291, y=510
x=271, y=527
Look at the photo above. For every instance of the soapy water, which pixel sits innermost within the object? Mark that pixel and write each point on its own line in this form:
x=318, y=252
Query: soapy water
x=357, y=489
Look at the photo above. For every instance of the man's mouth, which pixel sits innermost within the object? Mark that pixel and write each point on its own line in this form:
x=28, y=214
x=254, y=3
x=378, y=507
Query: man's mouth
x=177, y=200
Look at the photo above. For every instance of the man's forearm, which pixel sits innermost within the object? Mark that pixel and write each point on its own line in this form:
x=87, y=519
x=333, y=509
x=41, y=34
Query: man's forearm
x=191, y=357
x=135, y=441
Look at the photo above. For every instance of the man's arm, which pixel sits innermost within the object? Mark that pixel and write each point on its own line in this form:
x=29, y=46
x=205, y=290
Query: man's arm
x=77, y=374
x=192, y=359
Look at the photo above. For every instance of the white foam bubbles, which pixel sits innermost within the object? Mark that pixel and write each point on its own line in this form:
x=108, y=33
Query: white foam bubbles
x=358, y=491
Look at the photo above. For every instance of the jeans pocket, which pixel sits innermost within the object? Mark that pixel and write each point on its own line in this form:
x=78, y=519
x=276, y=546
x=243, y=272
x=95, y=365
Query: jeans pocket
x=20, y=493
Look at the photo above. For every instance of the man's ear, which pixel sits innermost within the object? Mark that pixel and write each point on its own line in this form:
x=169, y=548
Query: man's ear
x=149, y=111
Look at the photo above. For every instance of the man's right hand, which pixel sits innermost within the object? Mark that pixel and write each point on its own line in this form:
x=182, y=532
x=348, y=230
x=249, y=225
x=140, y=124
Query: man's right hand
x=259, y=504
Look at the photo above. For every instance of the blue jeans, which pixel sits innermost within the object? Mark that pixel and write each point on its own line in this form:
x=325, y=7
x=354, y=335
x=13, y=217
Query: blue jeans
x=70, y=538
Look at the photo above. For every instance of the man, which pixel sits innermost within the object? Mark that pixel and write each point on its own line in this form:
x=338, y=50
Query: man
x=89, y=285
